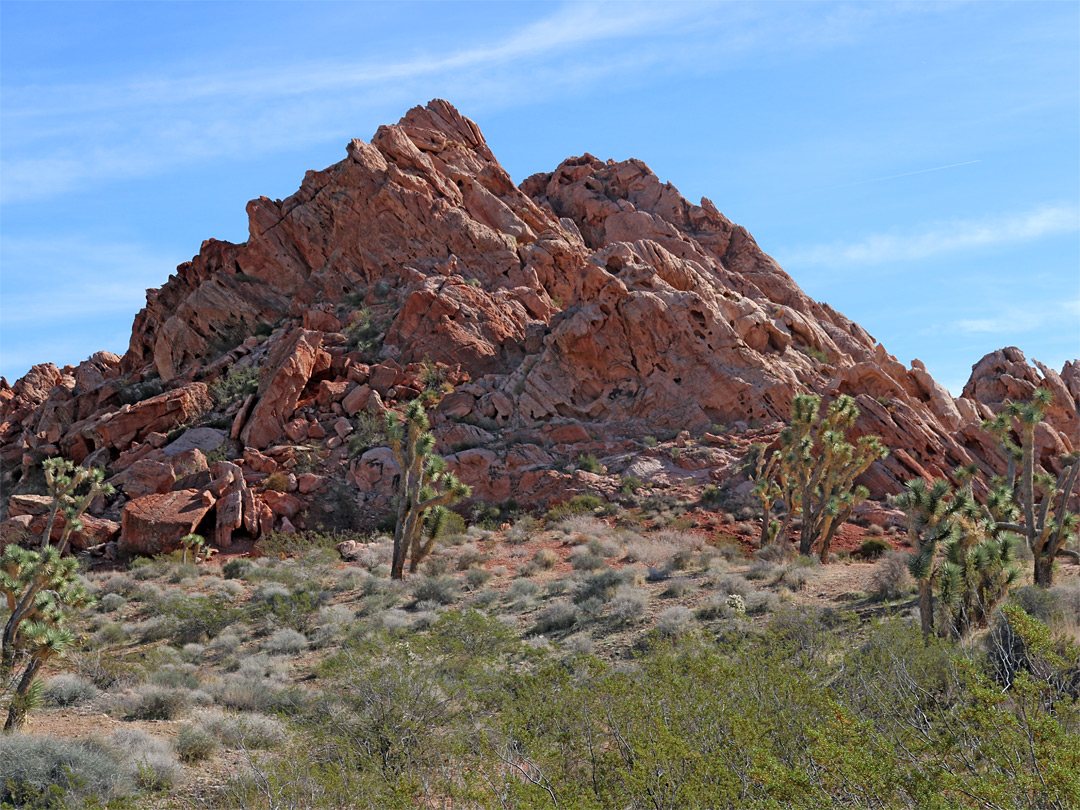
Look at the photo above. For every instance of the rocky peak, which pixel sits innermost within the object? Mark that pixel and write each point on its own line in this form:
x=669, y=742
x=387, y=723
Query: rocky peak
x=577, y=313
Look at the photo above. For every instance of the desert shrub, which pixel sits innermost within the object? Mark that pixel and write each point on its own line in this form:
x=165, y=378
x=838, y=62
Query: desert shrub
x=588, y=463
x=521, y=590
x=584, y=560
x=578, y=505
x=250, y=731
x=600, y=585
x=152, y=702
x=678, y=587
x=235, y=568
x=68, y=689
x=579, y=644
x=604, y=548
x=291, y=609
x=192, y=652
x=793, y=577
x=467, y=556
x=442, y=590
x=195, y=618
x=559, y=615
x=650, y=441
x=674, y=622
x=156, y=766
x=111, y=602
x=761, y=602
x=523, y=530
x=45, y=772
x=629, y=485
x=277, y=481
x=628, y=604
x=545, y=559
x=285, y=642
x=234, y=386
x=892, y=578
x=761, y=570
x=394, y=619
x=720, y=606
x=774, y=553
x=874, y=530
x=476, y=578
x=732, y=583
x=712, y=497
x=223, y=644
x=174, y=677
x=195, y=744
x=873, y=547
x=108, y=635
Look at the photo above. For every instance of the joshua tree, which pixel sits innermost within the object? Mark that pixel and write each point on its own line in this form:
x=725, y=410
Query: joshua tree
x=1041, y=499
x=768, y=491
x=193, y=543
x=929, y=510
x=979, y=565
x=41, y=589
x=424, y=484
x=818, y=466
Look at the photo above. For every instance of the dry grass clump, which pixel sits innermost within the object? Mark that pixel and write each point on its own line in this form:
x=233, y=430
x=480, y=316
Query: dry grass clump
x=285, y=642
x=674, y=622
x=68, y=689
x=247, y=730
x=892, y=579
x=558, y=615
x=153, y=702
x=155, y=763
x=628, y=604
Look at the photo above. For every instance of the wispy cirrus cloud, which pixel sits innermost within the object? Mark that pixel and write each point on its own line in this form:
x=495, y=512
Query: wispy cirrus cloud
x=941, y=237
x=66, y=136
x=63, y=137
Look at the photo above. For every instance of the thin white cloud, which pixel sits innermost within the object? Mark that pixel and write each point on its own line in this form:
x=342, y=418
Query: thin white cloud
x=940, y=237
x=60, y=138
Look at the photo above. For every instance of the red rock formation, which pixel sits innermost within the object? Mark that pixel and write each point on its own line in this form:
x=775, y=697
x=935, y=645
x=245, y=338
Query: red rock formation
x=588, y=308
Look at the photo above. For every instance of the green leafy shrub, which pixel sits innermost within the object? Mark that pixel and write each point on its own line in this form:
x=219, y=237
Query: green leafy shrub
x=874, y=547
x=577, y=505
x=712, y=497
x=234, y=386
x=588, y=463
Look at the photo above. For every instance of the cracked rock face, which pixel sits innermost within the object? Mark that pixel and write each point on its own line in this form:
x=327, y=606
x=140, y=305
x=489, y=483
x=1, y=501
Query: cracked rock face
x=583, y=309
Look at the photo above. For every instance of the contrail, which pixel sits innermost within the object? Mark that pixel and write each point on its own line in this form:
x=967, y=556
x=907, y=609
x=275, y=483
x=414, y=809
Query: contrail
x=920, y=171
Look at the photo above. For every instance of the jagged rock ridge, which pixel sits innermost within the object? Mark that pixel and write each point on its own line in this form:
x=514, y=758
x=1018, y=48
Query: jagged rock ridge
x=576, y=313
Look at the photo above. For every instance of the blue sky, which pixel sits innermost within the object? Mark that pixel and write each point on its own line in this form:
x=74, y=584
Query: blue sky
x=915, y=165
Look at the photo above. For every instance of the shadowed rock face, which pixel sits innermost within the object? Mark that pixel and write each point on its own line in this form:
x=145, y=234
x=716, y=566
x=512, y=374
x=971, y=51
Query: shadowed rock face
x=594, y=296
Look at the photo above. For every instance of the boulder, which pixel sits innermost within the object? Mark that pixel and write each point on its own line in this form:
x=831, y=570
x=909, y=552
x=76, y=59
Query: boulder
x=284, y=377
x=154, y=524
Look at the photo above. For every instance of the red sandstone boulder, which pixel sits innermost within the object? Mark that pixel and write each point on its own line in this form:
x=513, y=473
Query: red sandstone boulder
x=287, y=372
x=154, y=524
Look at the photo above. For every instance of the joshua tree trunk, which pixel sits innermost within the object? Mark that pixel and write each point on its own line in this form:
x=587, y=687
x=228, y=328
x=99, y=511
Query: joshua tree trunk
x=926, y=608
x=18, y=711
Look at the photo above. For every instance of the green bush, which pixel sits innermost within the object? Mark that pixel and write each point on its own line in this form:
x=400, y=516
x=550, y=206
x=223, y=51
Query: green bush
x=577, y=505
x=712, y=497
x=874, y=547
x=234, y=386
x=588, y=463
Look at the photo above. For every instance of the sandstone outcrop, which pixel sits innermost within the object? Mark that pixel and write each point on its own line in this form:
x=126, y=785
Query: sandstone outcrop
x=578, y=313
